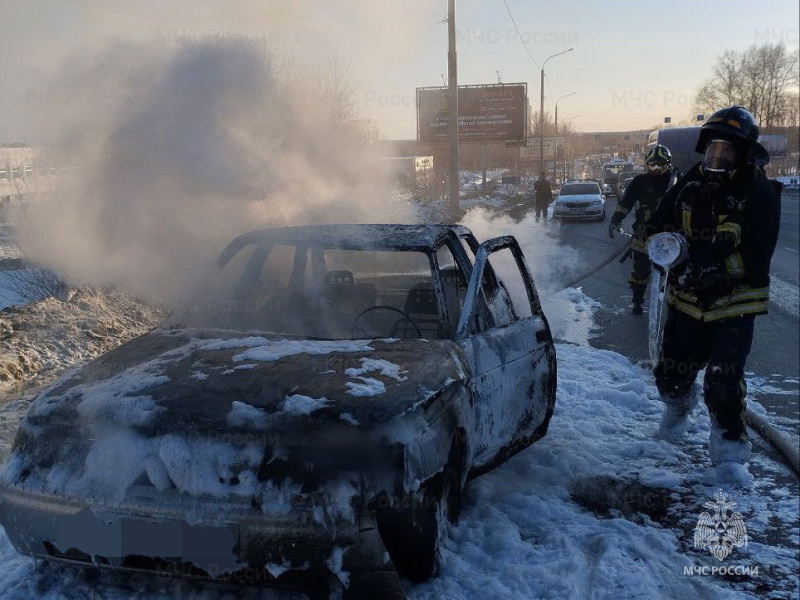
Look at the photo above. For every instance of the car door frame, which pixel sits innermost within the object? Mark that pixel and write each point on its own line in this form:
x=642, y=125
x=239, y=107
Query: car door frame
x=474, y=330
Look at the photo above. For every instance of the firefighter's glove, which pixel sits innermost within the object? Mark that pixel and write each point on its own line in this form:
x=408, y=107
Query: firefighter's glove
x=723, y=244
x=615, y=226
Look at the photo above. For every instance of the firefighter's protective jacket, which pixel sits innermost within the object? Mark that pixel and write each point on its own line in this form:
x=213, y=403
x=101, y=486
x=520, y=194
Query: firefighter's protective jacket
x=732, y=230
x=644, y=193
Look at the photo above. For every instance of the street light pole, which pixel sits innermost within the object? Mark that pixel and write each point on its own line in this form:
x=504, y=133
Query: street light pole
x=452, y=73
x=541, y=111
x=566, y=145
x=555, y=141
x=541, y=124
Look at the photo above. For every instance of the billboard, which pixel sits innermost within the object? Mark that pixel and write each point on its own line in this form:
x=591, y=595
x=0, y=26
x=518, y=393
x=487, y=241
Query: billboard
x=486, y=113
x=532, y=151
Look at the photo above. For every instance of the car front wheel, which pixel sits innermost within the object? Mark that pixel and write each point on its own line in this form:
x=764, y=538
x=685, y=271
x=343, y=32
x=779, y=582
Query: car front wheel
x=413, y=536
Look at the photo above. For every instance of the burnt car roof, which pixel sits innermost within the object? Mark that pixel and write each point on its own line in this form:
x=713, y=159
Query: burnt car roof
x=348, y=237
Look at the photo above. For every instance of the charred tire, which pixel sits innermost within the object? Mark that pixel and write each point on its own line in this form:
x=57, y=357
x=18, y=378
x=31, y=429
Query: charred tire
x=413, y=536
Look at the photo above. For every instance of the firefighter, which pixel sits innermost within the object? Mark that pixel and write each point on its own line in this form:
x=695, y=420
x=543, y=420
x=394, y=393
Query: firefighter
x=729, y=212
x=544, y=195
x=644, y=192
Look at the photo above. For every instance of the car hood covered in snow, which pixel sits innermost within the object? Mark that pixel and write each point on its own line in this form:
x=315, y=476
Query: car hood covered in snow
x=199, y=409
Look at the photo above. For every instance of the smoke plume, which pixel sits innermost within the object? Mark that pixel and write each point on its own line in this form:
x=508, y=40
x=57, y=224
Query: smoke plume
x=179, y=147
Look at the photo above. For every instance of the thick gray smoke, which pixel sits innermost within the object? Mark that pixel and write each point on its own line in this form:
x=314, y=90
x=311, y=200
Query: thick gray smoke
x=178, y=148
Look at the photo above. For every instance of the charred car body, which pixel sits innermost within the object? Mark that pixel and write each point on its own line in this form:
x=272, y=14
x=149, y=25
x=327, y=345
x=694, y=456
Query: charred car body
x=403, y=368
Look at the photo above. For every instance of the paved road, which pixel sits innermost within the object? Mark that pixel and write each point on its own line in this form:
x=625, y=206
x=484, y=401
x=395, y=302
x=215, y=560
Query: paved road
x=774, y=362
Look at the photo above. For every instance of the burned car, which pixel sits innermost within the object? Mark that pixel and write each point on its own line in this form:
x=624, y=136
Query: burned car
x=363, y=376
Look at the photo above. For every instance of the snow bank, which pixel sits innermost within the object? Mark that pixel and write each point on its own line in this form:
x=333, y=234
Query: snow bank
x=52, y=335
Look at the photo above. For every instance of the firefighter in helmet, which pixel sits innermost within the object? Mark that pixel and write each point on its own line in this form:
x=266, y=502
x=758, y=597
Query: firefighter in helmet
x=729, y=213
x=644, y=193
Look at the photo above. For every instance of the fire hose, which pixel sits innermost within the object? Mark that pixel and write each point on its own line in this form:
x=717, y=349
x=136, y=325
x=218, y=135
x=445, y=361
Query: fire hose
x=626, y=246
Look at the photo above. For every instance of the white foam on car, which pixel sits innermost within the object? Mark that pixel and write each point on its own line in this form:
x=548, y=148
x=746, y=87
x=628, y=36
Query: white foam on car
x=384, y=367
x=365, y=387
x=303, y=405
x=272, y=350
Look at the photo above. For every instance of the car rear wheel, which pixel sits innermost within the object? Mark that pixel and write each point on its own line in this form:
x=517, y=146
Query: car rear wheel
x=413, y=536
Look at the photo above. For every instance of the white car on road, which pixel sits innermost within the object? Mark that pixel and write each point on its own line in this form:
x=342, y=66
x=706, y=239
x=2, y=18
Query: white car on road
x=580, y=200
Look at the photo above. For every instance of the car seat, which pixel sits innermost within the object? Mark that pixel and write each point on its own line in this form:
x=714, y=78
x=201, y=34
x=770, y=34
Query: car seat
x=421, y=305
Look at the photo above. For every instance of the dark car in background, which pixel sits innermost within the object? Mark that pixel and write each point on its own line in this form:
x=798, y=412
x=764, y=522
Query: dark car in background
x=315, y=427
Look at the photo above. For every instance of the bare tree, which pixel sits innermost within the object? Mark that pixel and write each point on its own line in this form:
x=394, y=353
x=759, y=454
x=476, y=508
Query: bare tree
x=724, y=89
x=549, y=124
x=762, y=78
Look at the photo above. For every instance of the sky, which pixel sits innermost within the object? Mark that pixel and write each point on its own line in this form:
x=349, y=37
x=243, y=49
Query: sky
x=633, y=63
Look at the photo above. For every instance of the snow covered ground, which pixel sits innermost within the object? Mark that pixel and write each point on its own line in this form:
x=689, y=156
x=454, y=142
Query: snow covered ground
x=49, y=336
x=530, y=531
x=597, y=509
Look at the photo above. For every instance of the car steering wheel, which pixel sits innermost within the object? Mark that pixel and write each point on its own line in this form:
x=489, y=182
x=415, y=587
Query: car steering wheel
x=395, y=327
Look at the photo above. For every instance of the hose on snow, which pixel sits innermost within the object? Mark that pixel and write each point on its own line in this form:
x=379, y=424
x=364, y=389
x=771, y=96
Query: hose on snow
x=778, y=439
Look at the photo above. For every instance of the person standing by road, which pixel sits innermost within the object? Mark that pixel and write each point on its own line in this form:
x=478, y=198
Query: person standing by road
x=644, y=193
x=729, y=213
x=544, y=196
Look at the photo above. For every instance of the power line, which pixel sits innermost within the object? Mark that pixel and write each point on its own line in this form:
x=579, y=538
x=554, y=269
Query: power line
x=519, y=34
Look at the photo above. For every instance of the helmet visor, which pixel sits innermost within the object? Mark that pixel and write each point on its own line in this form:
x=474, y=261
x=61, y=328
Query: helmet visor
x=656, y=169
x=719, y=157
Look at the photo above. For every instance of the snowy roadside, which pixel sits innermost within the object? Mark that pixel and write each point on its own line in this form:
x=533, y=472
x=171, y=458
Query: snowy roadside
x=40, y=341
x=597, y=509
x=47, y=337
x=530, y=531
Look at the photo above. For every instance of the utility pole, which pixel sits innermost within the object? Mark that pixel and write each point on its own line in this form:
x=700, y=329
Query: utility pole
x=555, y=141
x=452, y=73
x=483, y=166
x=541, y=125
x=541, y=111
x=567, y=148
x=555, y=149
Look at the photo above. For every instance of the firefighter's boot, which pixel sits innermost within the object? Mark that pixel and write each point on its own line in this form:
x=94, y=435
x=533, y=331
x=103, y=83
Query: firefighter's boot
x=675, y=417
